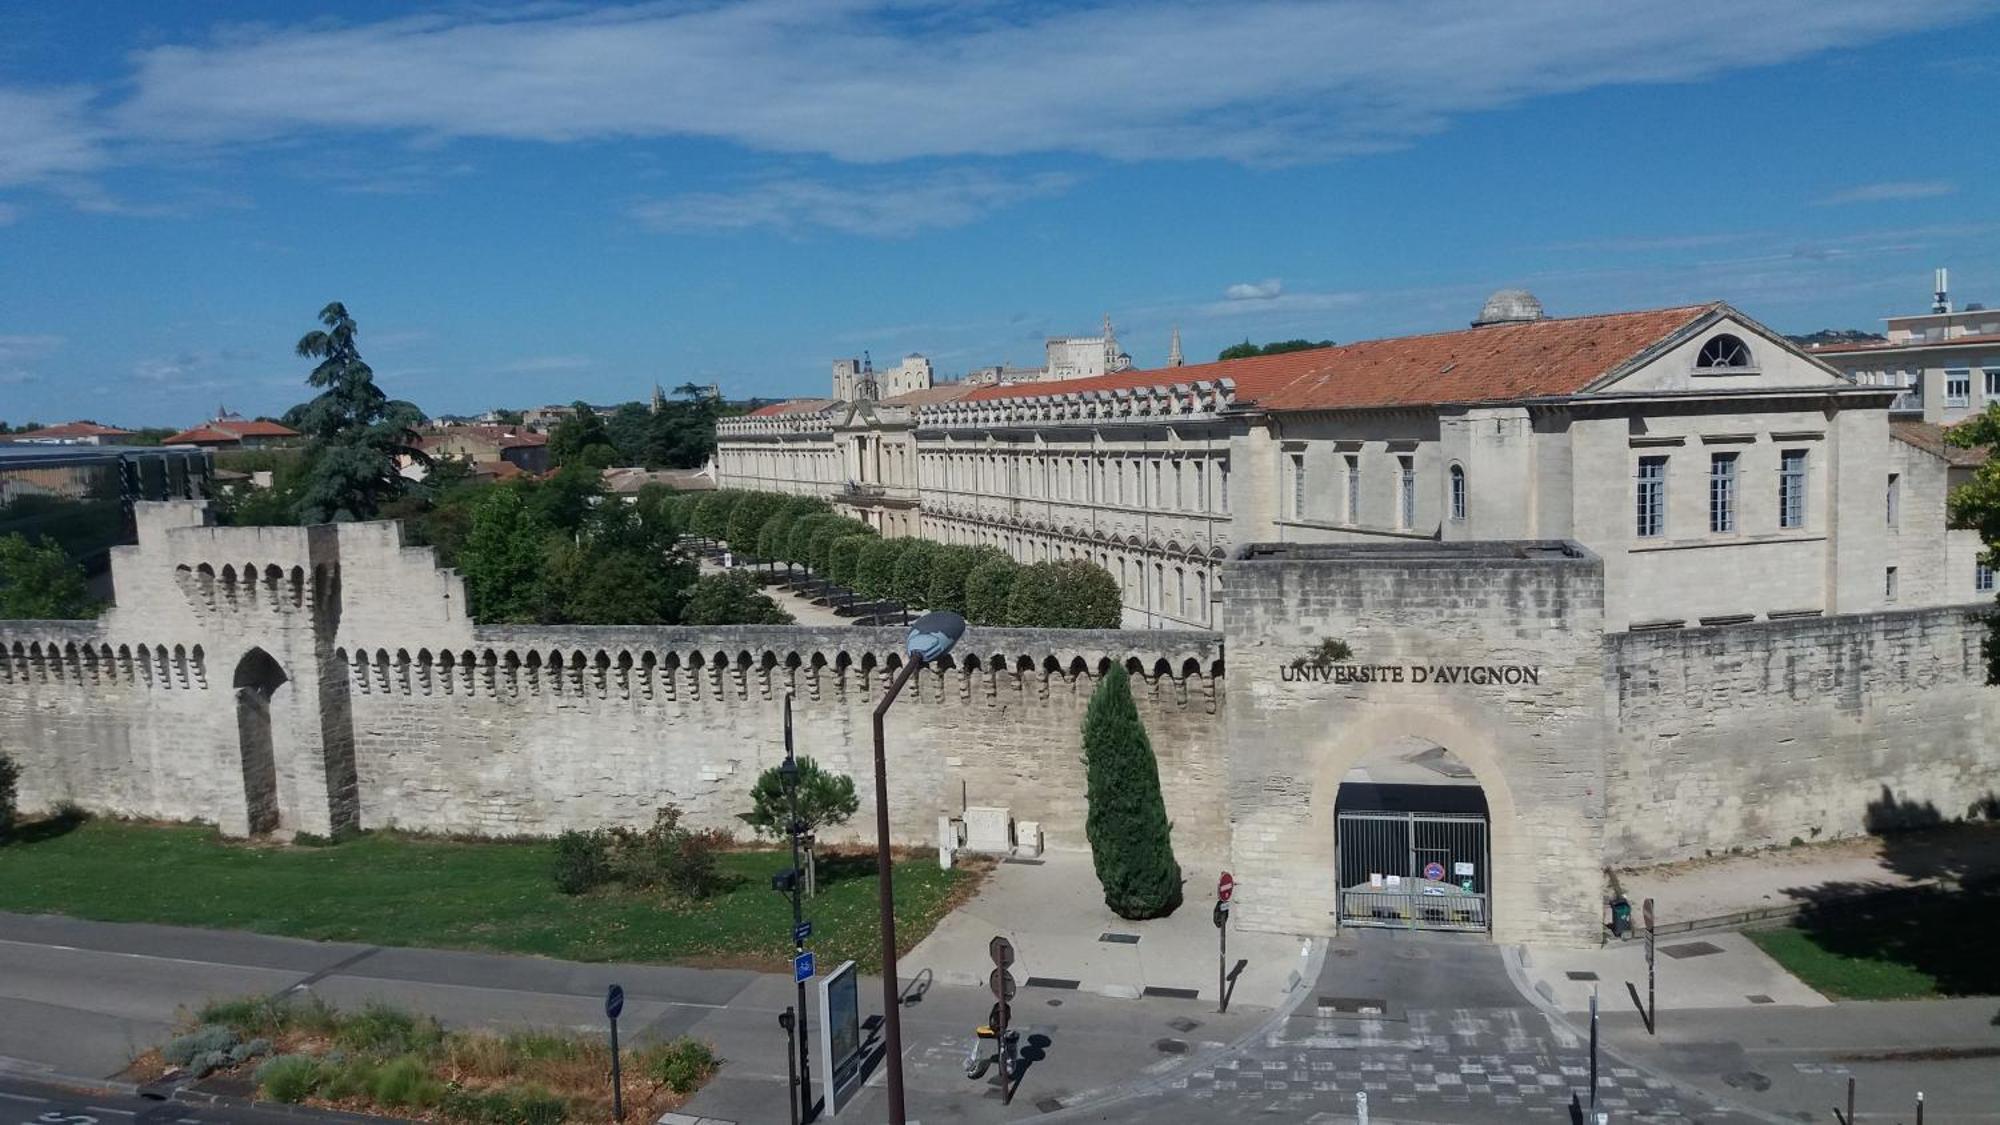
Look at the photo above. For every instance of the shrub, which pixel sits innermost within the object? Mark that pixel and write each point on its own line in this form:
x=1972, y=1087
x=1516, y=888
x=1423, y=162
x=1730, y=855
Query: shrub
x=182, y=1050
x=532, y=1106
x=682, y=1065
x=843, y=557
x=10, y=774
x=404, y=1082
x=265, y=1016
x=950, y=564
x=825, y=799
x=824, y=533
x=669, y=855
x=875, y=577
x=384, y=1030
x=254, y=1049
x=987, y=590
x=1131, y=840
x=912, y=584
x=582, y=861
x=288, y=1078
x=1071, y=594
x=342, y=1078
x=746, y=520
x=731, y=598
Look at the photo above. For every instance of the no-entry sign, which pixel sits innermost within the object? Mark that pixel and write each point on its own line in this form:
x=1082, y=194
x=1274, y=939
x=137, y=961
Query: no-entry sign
x=1224, y=887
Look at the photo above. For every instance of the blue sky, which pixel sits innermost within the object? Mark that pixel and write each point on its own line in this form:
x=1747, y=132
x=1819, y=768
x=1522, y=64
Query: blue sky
x=538, y=202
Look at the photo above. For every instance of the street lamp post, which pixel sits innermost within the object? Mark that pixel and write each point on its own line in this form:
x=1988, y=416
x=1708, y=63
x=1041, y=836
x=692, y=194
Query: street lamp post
x=789, y=775
x=931, y=636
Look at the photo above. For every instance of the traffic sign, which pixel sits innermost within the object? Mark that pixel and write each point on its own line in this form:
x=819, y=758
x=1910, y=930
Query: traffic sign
x=801, y=932
x=1001, y=950
x=1225, y=886
x=802, y=967
x=1001, y=983
x=614, y=1002
x=1434, y=871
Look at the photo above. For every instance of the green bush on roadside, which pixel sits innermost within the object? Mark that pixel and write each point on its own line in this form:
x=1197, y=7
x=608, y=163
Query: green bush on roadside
x=583, y=861
x=10, y=774
x=383, y=1030
x=289, y=1078
x=682, y=1065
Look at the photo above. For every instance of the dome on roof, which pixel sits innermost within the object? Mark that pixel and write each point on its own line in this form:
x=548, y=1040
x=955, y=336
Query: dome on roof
x=1510, y=306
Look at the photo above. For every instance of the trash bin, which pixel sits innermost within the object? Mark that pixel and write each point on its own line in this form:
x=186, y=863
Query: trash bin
x=1621, y=917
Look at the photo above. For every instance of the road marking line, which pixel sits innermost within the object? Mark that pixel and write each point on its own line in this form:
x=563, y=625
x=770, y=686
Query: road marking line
x=108, y=1109
x=23, y=1098
x=141, y=956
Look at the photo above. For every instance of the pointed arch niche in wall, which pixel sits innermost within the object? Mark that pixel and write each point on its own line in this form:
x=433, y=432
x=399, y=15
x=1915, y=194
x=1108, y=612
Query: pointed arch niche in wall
x=257, y=679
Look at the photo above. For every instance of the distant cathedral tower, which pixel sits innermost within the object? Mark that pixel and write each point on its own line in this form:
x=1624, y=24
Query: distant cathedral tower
x=1174, y=357
x=659, y=398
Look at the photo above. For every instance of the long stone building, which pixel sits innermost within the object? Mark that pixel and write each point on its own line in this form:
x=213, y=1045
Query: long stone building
x=1721, y=473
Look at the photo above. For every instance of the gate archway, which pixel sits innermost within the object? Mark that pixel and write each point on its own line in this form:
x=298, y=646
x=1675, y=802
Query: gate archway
x=1411, y=842
x=257, y=679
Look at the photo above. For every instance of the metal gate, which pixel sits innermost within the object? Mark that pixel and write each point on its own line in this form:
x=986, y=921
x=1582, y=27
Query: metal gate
x=1418, y=871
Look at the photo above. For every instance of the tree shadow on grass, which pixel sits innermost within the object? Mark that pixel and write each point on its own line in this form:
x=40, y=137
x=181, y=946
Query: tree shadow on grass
x=60, y=823
x=1941, y=928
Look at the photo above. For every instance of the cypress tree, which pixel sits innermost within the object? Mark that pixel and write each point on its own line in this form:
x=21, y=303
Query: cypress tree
x=1131, y=840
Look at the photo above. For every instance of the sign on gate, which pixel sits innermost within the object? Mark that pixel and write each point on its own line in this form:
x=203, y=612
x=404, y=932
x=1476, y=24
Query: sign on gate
x=1392, y=869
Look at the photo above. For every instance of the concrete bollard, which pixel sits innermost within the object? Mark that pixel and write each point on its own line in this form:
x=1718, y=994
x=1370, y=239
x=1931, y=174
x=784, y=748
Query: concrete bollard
x=1361, y=1107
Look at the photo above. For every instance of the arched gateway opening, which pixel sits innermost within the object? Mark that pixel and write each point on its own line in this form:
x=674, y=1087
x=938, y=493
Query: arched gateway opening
x=1411, y=847
x=257, y=679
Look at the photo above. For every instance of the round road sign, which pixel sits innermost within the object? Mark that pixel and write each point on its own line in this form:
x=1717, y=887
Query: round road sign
x=1225, y=886
x=1002, y=951
x=1434, y=871
x=1002, y=984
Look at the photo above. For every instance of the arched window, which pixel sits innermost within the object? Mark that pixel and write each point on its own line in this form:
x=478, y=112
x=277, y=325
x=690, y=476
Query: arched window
x=1458, y=493
x=1723, y=350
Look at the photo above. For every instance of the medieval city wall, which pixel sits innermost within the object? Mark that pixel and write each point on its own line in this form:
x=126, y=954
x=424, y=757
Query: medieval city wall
x=1759, y=734
x=536, y=730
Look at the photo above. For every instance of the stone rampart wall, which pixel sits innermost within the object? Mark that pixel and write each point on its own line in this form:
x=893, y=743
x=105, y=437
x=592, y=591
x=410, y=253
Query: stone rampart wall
x=1757, y=734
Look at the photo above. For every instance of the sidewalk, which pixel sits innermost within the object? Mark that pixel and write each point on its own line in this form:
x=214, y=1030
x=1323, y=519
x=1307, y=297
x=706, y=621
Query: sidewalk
x=1705, y=971
x=1053, y=911
x=1731, y=890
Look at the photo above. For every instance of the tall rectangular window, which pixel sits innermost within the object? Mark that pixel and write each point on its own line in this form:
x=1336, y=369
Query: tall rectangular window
x=1200, y=488
x=1792, y=488
x=1180, y=499
x=1298, y=485
x=1457, y=493
x=1982, y=576
x=1893, y=502
x=1354, y=488
x=1722, y=493
x=1222, y=484
x=1992, y=372
x=1889, y=583
x=1159, y=495
x=1958, y=387
x=1651, y=492
x=1406, y=486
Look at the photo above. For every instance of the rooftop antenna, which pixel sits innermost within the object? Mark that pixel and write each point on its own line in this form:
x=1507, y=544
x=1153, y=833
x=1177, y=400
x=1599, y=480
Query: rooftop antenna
x=1941, y=302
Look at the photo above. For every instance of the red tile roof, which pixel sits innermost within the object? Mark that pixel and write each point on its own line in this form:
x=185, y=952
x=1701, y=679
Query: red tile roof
x=792, y=406
x=1498, y=362
x=1930, y=437
x=202, y=435
x=253, y=428
x=1890, y=346
x=502, y=437
x=68, y=430
x=943, y=392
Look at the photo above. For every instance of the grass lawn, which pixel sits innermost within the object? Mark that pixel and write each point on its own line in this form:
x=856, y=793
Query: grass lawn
x=386, y=889
x=1909, y=945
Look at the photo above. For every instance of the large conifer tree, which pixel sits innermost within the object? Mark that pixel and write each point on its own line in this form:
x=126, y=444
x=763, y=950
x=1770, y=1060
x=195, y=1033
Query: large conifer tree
x=1130, y=837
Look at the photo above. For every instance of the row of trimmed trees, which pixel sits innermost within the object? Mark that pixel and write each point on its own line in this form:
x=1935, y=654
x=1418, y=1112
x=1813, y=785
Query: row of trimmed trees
x=980, y=583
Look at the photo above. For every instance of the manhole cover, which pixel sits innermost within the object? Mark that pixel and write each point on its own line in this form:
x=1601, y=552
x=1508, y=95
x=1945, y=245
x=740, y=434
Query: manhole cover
x=1170, y=1046
x=1352, y=1005
x=1760, y=998
x=1690, y=949
x=1166, y=993
x=1183, y=1024
x=1050, y=982
x=1119, y=939
x=1747, y=1080
x=1582, y=974
x=1345, y=952
x=1049, y=1105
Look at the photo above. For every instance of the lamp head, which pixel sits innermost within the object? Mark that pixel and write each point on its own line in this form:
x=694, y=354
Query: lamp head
x=933, y=634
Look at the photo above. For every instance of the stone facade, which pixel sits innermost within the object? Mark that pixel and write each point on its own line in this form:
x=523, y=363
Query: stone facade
x=290, y=680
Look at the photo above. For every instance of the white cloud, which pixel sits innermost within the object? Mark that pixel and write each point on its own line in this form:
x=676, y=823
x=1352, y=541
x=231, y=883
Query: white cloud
x=1889, y=192
x=880, y=206
x=540, y=364
x=1265, y=290
x=1232, y=305
x=886, y=80
x=47, y=136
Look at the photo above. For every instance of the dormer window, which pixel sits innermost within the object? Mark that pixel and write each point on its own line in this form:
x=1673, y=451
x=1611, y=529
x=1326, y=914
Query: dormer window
x=1722, y=352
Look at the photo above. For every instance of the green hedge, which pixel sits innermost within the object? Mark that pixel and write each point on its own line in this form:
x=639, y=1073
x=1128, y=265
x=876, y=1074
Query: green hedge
x=875, y=577
x=1071, y=594
x=844, y=558
x=987, y=590
x=913, y=573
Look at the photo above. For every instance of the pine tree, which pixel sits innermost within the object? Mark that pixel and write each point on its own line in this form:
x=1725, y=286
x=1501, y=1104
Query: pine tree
x=1131, y=840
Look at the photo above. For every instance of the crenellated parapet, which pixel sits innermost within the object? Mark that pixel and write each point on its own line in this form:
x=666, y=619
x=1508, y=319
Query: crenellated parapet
x=77, y=654
x=249, y=588
x=764, y=662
